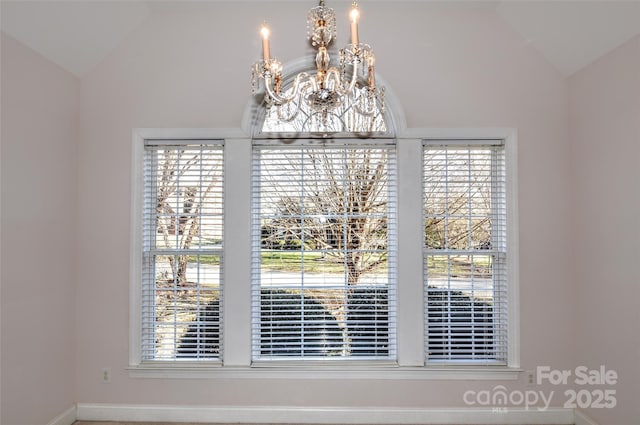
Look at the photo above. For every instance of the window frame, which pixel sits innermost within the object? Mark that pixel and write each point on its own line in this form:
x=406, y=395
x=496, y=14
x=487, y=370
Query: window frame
x=499, y=239
x=141, y=219
x=236, y=363
x=161, y=136
x=384, y=144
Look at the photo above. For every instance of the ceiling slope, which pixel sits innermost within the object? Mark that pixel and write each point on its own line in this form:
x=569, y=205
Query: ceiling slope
x=77, y=35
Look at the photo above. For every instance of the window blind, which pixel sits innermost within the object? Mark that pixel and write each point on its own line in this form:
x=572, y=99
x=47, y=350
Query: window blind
x=324, y=252
x=182, y=250
x=465, y=252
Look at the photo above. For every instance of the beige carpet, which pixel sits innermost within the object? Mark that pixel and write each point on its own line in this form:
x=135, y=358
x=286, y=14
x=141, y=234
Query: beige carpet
x=152, y=423
x=138, y=423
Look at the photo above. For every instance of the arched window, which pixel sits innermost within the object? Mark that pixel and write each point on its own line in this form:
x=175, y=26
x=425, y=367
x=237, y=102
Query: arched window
x=354, y=114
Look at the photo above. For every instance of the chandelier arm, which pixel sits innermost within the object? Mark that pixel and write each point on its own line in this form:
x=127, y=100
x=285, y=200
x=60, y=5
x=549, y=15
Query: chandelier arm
x=294, y=92
x=287, y=118
x=370, y=100
x=339, y=84
x=354, y=75
x=365, y=113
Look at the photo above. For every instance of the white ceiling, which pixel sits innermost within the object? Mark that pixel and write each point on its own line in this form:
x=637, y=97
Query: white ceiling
x=77, y=35
x=572, y=34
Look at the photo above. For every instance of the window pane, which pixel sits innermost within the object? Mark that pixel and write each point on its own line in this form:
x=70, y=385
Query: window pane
x=182, y=252
x=324, y=282
x=187, y=189
x=465, y=278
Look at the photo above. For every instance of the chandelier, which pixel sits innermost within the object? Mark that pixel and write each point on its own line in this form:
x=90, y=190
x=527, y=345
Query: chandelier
x=346, y=93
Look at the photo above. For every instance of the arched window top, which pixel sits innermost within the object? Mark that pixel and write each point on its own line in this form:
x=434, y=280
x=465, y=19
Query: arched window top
x=356, y=115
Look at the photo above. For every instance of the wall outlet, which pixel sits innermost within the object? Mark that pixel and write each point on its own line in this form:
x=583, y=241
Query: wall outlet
x=106, y=375
x=531, y=378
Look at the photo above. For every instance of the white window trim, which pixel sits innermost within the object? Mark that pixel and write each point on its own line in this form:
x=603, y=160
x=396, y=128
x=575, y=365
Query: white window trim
x=236, y=363
x=136, y=226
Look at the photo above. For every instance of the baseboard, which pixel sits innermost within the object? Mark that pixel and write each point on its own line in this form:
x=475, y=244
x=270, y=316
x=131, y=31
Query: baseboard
x=113, y=412
x=322, y=415
x=581, y=418
x=67, y=417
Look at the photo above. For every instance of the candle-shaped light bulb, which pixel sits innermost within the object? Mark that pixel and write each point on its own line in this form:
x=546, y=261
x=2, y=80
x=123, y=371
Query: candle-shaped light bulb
x=371, y=71
x=264, y=32
x=371, y=61
x=355, y=16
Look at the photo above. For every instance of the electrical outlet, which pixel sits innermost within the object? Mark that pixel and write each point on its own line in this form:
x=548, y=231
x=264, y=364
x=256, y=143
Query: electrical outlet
x=106, y=375
x=531, y=378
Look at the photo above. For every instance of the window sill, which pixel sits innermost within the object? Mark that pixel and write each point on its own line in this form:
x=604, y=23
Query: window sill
x=351, y=371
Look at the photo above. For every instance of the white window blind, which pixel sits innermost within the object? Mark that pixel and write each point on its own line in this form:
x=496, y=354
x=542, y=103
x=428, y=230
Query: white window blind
x=324, y=252
x=182, y=250
x=465, y=252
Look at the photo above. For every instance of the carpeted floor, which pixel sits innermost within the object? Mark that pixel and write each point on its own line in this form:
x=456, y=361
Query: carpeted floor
x=165, y=423
x=138, y=423
x=152, y=423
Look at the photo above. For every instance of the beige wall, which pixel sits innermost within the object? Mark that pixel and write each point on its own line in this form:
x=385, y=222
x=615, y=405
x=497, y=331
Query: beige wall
x=39, y=124
x=605, y=138
x=65, y=317
x=190, y=68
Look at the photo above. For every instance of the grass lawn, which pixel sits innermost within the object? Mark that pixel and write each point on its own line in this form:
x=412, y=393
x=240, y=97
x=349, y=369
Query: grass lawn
x=317, y=262
x=291, y=261
x=313, y=262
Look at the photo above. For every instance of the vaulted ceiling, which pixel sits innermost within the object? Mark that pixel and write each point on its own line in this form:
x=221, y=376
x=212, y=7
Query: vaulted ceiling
x=77, y=35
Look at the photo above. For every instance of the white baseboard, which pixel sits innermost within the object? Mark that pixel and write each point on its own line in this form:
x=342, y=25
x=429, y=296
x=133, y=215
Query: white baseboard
x=322, y=415
x=67, y=417
x=582, y=419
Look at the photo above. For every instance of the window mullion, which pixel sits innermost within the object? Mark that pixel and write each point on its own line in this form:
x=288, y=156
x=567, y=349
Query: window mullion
x=410, y=248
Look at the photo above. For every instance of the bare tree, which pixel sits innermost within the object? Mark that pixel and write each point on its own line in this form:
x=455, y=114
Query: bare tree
x=184, y=186
x=336, y=202
x=343, y=212
x=457, y=213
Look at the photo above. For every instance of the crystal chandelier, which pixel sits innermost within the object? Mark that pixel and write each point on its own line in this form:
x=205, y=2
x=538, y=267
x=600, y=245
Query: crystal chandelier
x=347, y=93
